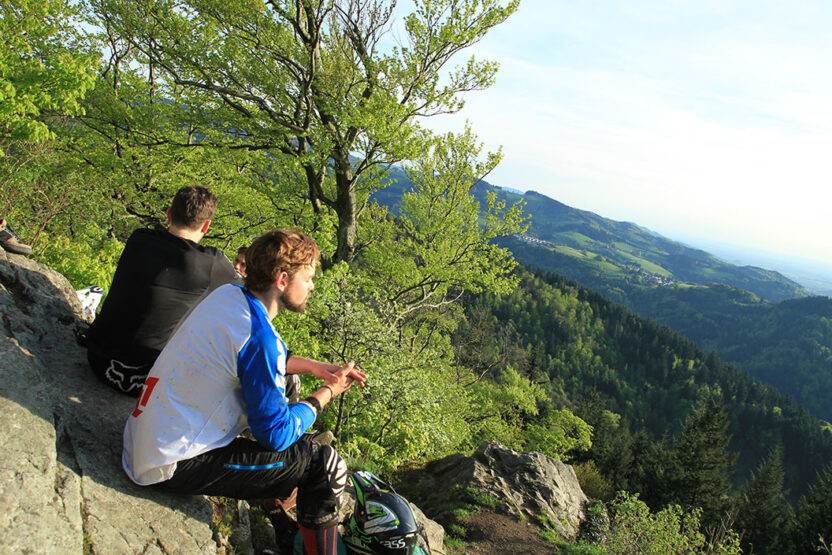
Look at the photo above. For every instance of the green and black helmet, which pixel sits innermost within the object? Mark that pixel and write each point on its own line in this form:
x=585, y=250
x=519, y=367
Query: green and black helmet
x=382, y=522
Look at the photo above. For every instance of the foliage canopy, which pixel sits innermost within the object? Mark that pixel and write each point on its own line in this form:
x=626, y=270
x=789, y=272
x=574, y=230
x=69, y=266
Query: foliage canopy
x=312, y=80
x=43, y=70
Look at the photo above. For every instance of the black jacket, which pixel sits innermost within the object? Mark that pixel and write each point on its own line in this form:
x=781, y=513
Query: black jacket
x=158, y=279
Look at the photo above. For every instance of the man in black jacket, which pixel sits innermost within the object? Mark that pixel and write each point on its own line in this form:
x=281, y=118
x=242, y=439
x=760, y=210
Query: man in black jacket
x=160, y=276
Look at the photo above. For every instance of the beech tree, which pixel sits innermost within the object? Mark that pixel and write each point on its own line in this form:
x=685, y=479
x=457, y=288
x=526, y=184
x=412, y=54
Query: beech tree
x=42, y=69
x=313, y=82
x=440, y=243
x=45, y=71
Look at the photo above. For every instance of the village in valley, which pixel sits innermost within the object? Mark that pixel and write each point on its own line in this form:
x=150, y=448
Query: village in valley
x=634, y=271
x=649, y=278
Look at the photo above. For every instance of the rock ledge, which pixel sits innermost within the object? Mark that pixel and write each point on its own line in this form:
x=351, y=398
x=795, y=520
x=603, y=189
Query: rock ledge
x=61, y=485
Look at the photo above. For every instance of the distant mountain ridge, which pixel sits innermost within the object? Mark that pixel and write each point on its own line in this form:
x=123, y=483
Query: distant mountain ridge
x=598, y=251
x=615, y=250
x=758, y=319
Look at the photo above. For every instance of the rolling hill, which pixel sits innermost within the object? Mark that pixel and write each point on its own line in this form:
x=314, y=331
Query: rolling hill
x=766, y=324
x=586, y=245
x=605, y=254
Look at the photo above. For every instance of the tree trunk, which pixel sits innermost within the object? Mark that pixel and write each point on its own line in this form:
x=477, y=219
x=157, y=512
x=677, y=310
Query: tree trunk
x=345, y=207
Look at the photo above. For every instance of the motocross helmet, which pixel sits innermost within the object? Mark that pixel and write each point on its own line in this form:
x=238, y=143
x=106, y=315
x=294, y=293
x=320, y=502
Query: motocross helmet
x=382, y=522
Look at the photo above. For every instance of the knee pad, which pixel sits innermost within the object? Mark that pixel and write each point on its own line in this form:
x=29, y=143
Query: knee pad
x=336, y=470
x=319, y=499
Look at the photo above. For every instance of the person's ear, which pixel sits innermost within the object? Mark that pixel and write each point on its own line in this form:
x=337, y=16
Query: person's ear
x=282, y=281
x=167, y=213
x=204, y=229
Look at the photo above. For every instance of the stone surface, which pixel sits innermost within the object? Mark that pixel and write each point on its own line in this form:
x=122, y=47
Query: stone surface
x=527, y=486
x=39, y=495
x=532, y=485
x=433, y=534
x=62, y=489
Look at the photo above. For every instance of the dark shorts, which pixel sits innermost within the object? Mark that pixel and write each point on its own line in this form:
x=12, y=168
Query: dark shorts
x=120, y=376
x=244, y=469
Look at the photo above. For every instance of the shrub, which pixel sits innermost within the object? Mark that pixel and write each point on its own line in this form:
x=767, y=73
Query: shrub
x=593, y=483
x=634, y=529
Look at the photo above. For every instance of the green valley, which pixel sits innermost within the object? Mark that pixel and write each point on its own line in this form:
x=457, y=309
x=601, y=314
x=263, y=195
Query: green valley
x=606, y=252
x=757, y=319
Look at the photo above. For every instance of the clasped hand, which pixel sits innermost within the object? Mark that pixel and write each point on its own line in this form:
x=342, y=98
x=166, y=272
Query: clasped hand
x=341, y=378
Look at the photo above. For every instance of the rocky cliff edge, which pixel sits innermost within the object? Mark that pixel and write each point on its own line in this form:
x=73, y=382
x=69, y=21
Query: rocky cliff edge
x=62, y=489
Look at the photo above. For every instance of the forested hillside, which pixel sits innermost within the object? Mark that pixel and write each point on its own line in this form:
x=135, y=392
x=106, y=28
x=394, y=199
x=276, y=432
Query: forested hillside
x=647, y=373
x=292, y=114
x=786, y=344
x=645, y=388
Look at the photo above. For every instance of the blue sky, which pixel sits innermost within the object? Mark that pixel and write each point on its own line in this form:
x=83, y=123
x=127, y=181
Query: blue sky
x=705, y=121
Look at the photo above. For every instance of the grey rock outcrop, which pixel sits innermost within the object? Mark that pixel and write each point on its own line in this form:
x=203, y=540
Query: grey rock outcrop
x=433, y=535
x=61, y=485
x=528, y=486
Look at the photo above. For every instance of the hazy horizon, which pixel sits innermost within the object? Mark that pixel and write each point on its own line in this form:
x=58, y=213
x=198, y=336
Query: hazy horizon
x=812, y=274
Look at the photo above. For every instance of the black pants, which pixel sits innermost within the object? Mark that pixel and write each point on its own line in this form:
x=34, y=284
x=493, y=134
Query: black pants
x=118, y=375
x=246, y=470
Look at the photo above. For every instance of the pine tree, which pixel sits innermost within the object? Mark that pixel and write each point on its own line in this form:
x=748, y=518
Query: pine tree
x=593, y=411
x=813, y=517
x=612, y=442
x=763, y=514
x=699, y=473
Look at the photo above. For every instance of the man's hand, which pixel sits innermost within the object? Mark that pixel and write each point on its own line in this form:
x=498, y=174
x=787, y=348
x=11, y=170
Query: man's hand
x=337, y=379
x=355, y=374
x=323, y=370
x=343, y=377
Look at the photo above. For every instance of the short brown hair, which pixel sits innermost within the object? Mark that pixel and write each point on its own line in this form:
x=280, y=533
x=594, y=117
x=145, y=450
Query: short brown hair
x=192, y=206
x=281, y=250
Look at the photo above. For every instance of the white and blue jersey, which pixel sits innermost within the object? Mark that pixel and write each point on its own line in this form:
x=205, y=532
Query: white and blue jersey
x=222, y=371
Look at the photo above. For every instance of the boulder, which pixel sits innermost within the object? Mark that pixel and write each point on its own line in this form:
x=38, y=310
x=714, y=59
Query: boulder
x=62, y=489
x=527, y=486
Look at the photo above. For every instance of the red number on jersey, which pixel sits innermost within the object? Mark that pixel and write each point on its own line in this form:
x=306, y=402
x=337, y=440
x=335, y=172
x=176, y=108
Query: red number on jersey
x=149, y=384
